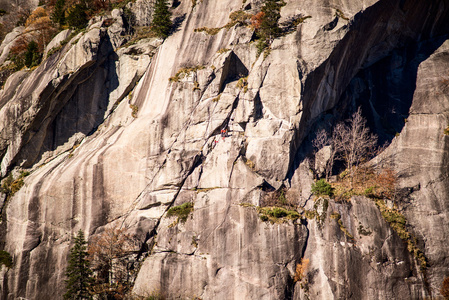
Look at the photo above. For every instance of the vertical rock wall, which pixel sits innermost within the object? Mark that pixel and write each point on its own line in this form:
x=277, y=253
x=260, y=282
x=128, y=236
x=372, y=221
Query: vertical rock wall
x=101, y=156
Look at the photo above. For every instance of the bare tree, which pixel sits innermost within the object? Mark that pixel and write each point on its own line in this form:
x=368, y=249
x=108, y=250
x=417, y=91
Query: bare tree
x=111, y=255
x=351, y=142
x=355, y=141
x=322, y=140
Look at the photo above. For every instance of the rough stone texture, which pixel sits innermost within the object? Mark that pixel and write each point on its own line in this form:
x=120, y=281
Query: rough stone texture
x=142, y=11
x=6, y=45
x=111, y=140
x=57, y=41
x=420, y=153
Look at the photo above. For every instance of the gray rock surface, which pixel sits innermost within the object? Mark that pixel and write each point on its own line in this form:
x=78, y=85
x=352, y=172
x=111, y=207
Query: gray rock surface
x=118, y=134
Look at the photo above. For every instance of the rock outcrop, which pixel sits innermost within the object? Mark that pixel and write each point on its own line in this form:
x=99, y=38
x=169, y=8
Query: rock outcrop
x=116, y=134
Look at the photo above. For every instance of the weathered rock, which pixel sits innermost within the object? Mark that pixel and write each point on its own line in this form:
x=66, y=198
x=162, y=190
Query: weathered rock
x=57, y=41
x=7, y=43
x=118, y=134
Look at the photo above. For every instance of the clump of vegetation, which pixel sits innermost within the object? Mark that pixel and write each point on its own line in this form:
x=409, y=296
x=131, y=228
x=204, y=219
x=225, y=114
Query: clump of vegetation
x=223, y=50
x=156, y=295
x=209, y=31
x=216, y=99
x=322, y=188
x=350, y=142
x=194, y=242
x=204, y=190
x=277, y=214
x=398, y=223
x=181, y=211
x=242, y=83
x=140, y=33
x=5, y=259
x=196, y=86
x=236, y=17
x=134, y=110
x=310, y=214
x=446, y=130
x=337, y=217
x=184, y=72
x=301, y=270
x=278, y=198
x=363, y=231
x=292, y=23
x=340, y=14
x=10, y=186
x=367, y=182
x=250, y=164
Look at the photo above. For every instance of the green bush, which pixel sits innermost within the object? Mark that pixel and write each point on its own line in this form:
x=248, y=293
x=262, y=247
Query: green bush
x=10, y=186
x=181, y=211
x=261, y=45
x=275, y=214
x=321, y=187
x=5, y=259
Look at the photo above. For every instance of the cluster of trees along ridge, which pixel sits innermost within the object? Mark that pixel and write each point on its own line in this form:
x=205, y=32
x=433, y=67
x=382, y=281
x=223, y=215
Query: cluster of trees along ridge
x=44, y=22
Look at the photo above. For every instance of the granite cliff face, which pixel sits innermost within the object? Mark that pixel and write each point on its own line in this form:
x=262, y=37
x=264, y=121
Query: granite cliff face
x=115, y=134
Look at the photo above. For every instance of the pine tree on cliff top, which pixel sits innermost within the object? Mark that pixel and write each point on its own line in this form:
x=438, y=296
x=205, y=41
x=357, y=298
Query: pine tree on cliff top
x=161, y=24
x=79, y=275
x=269, y=27
x=58, y=15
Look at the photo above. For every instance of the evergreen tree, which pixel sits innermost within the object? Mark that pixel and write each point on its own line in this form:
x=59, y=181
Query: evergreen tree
x=32, y=55
x=78, y=272
x=269, y=27
x=77, y=16
x=58, y=15
x=161, y=24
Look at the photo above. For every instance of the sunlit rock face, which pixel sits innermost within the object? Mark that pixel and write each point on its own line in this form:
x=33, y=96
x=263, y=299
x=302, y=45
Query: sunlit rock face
x=116, y=133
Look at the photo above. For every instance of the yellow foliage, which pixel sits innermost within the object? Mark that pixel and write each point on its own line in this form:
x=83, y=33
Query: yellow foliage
x=301, y=270
x=40, y=27
x=37, y=14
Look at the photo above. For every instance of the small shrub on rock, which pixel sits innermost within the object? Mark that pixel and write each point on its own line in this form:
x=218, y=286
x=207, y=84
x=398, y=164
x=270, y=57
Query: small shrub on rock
x=277, y=214
x=5, y=259
x=322, y=187
x=181, y=211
